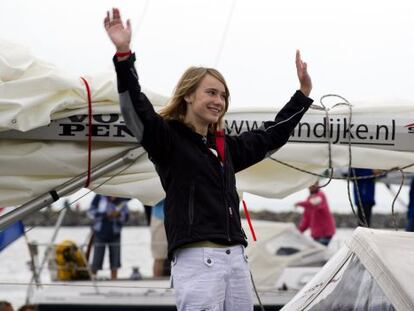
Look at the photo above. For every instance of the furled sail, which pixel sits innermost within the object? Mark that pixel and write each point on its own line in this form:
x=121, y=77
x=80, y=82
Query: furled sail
x=44, y=130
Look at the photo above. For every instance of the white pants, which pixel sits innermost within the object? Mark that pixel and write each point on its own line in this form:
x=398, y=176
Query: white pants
x=207, y=278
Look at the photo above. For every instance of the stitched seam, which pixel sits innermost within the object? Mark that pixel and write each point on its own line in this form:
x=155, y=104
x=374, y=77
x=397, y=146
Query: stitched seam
x=283, y=121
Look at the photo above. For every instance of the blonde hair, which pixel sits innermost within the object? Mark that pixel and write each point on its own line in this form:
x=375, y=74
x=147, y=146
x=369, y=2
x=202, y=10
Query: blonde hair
x=176, y=108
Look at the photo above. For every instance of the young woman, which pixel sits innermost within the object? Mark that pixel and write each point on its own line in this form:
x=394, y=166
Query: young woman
x=197, y=166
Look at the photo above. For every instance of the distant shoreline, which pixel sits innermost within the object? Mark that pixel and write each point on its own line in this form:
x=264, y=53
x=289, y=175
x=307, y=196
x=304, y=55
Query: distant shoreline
x=49, y=217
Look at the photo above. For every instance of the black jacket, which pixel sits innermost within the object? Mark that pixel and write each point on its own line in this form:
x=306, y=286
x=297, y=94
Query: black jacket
x=201, y=198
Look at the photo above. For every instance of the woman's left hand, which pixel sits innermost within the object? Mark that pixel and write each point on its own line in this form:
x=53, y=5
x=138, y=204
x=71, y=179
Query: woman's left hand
x=303, y=75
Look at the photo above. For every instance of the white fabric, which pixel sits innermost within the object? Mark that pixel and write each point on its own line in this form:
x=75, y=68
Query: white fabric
x=386, y=255
x=266, y=261
x=32, y=93
x=215, y=279
x=389, y=257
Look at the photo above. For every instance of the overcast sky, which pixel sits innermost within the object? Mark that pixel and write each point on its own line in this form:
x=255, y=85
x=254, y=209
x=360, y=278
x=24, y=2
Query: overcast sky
x=360, y=49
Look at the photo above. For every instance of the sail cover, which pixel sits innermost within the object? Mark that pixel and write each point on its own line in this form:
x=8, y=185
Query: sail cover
x=372, y=271
x=43, y=131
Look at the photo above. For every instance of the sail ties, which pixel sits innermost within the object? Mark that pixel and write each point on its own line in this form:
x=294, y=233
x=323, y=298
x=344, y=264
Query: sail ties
x=89, y=96
x=345, y=102
x=249, y=221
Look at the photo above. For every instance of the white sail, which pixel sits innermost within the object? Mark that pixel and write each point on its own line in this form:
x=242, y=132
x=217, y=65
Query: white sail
x=35, y=96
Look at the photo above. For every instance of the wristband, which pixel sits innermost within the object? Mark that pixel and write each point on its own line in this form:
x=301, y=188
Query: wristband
x=123, y=54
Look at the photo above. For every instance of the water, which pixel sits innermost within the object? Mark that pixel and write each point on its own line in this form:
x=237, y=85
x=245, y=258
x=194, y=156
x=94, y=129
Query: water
x=336, y=193
x=14, y=267
x=15, y=272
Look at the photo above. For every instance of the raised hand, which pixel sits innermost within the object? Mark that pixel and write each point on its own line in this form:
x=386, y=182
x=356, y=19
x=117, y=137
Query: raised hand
x=119, y=34
x=303, y=75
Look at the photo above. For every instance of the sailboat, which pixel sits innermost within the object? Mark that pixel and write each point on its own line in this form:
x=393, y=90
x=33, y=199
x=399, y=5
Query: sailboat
x=49, y=133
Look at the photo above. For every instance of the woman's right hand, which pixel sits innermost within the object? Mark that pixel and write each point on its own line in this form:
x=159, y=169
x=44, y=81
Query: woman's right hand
x=119, y=34
x=303, y=75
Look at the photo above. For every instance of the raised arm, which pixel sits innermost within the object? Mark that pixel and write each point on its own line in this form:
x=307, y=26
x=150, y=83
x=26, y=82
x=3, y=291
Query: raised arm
x=119, y=33
x=139, y=114
x=252, y=147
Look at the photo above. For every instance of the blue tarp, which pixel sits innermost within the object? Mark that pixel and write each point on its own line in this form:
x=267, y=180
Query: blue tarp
x=10, y=234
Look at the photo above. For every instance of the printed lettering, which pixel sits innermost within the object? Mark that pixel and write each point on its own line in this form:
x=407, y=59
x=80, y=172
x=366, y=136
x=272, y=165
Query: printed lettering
x=254, y=126
x=338, y=131
x=308, y=131
x=70, y=129
x=121, y=130
x=106, y=118
x=379, y=127
x=323, y=128
x=100, y=130
x=362, y=128
x=234, y=126
x=348, y=130
x=77, y=118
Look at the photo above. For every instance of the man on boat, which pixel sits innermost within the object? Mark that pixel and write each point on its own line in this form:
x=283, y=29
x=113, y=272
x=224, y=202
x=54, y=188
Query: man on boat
x=109, y=214
x=364, y=193
x=317, y=216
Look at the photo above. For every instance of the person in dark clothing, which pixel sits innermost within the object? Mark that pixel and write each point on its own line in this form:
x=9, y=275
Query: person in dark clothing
x=148, y=213
x=109, y=214
x=196, y=162
x=364, y=194
x=410, y=212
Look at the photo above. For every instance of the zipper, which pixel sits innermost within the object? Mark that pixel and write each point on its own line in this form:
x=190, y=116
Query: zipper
x=191, y=208
x=227, y=220
x=229, y=212
x=232, y=211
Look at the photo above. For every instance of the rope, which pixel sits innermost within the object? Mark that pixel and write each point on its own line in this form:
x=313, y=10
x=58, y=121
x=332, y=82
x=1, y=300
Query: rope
x=225, y=32
x=88, y=92
x=142, y=17
x=256, y=292
x=90, y=190
x=82, y=285
x=249, y=221
x=70, y=204
x=351, y=173
x=394, y=221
